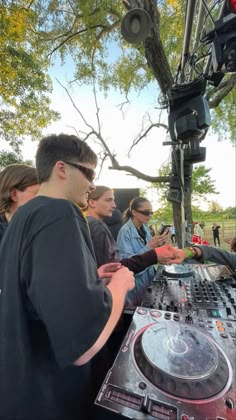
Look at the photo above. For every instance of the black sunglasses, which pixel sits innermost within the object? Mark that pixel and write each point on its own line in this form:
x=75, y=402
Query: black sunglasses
x=88, y=172
x=145, y=212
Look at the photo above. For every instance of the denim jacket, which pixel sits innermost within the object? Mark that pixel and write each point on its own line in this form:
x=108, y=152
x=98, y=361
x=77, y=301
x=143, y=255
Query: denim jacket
x=130, y=243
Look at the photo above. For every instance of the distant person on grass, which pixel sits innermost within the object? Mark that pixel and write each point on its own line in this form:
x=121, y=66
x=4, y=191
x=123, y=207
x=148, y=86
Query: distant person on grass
x=216, y=234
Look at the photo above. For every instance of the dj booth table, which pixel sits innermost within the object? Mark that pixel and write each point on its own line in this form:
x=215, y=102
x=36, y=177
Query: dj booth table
x=178, y=358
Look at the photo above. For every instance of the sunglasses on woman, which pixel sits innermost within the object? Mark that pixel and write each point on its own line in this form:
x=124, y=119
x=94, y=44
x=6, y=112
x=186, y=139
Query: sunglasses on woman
x=88, y=172
x=145, y=212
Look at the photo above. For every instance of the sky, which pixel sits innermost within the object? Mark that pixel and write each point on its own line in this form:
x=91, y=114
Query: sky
x=119, y=129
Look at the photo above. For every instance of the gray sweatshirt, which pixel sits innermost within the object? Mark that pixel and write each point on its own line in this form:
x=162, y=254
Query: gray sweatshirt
x=218, y=255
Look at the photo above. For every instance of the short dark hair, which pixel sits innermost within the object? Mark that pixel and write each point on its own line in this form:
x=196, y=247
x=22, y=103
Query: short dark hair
x=18, y=176
x=55, y=147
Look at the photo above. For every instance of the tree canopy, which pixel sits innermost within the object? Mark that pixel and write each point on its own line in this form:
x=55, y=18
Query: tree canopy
x=33, y=33
x=89, y=31
x=25, y=84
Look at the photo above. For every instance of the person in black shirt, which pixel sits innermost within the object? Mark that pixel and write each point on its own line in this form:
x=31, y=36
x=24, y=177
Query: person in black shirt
x=18, y=185
x=55, y=311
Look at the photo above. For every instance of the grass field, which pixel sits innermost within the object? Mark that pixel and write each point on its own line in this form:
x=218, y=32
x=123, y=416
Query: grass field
x=227, y=231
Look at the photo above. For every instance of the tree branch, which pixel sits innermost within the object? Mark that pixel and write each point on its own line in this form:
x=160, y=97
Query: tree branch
x=138, y=174
x=145, y=133
x=223, y=90
x=106, y=150
x=72, y=36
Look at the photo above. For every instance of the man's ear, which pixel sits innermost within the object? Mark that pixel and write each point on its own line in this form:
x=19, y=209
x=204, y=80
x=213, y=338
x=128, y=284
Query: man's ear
x=60, y=169
x=14, y=195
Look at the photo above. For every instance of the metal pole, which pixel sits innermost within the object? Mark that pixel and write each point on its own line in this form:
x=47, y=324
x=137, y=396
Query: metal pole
x=187, y=34
x=201, y=14
x=183, y=232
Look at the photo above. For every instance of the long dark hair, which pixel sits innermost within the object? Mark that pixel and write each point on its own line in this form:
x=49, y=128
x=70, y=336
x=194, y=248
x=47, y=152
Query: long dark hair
x=134, y=204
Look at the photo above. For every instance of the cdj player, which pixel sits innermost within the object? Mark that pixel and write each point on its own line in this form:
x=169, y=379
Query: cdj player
x=194, y=289
x=173, y=366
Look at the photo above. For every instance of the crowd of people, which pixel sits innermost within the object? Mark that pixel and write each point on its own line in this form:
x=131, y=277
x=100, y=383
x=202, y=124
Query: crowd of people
x=66, y=277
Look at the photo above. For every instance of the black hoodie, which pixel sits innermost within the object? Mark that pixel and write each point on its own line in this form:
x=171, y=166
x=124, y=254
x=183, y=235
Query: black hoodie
x=3, y=226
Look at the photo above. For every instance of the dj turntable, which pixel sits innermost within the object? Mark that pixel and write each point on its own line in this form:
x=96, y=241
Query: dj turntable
x=172, y=367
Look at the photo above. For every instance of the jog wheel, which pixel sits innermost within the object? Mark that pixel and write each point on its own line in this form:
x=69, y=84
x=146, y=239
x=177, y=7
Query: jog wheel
x=181, y=361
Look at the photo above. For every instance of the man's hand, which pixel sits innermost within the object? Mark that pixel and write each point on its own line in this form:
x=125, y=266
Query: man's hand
x=180, y=255
x=107, y=270
x=167, y=254
x=122, y=279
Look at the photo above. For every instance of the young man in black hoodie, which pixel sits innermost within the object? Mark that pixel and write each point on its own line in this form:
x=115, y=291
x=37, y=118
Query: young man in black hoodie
x=55, y=312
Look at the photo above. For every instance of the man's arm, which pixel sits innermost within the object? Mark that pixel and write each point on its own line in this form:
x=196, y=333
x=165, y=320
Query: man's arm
x=218, y=255
x=138, y=263
x=205, y=252
x=121, y=282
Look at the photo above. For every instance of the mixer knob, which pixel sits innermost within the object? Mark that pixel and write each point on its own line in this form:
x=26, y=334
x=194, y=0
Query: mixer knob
x=232, y=300
x=229, y=403
x=188, y=319
x=215, y=299
x=149, y=289
x=228, y=311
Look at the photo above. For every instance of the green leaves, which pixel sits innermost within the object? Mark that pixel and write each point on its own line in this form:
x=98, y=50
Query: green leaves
x=25, y=84
x=10, y=158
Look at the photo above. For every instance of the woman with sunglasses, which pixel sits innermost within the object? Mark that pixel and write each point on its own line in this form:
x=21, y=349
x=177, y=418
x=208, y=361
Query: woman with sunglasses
x=18, y=184
x=135, y=238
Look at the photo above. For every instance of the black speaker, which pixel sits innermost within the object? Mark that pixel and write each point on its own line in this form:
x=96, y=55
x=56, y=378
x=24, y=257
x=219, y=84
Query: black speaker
x=136, y=25
x=123, y=196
